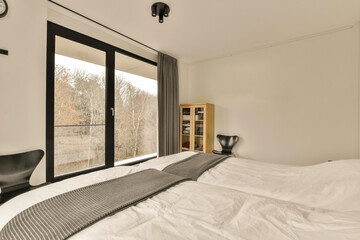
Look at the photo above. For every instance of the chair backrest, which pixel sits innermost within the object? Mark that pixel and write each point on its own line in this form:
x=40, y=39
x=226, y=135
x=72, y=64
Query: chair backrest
x=227, y=142
x=17, y=168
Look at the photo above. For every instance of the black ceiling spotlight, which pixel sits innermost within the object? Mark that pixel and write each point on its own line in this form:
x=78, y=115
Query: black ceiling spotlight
x=160, y=9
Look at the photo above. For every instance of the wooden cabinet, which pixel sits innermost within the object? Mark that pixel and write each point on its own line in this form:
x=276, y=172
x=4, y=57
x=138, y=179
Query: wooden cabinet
x=197, y=127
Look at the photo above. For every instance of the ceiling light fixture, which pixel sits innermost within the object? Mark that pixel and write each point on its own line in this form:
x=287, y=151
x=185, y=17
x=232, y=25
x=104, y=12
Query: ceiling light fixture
x=160, y=9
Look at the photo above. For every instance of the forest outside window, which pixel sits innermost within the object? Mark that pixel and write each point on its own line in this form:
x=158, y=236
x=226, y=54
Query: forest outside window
x=101, y=105
x=79, y=109
x=136, y=109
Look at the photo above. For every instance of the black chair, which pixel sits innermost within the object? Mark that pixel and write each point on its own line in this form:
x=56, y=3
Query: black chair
x=16, y=169
x=227, y=143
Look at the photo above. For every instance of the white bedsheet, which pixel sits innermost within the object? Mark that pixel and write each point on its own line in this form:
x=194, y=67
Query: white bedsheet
x=331, y=185
x=193, y=210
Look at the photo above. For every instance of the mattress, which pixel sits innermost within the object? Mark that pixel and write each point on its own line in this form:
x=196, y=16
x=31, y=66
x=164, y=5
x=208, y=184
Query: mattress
x=332, y=185
x=194, y=210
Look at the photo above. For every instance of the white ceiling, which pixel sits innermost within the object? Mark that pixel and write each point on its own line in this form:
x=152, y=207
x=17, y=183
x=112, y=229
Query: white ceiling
x=197, y=30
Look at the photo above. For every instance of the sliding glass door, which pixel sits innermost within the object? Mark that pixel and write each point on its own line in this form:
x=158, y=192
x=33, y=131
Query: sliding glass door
x=101, y=105
x=79, y=104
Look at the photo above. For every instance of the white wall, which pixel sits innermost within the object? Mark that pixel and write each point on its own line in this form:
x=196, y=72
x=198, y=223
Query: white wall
x=22, y=78
x=183, y=81
x=296, y=103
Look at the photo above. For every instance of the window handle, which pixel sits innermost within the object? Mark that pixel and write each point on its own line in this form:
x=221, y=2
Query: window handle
x=112, y=111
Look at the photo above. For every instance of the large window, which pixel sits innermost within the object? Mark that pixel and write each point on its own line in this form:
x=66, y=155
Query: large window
x=101, y=105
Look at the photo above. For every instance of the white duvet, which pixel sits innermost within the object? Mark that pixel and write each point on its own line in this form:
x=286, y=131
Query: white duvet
x=193, y=210
x=331, y=185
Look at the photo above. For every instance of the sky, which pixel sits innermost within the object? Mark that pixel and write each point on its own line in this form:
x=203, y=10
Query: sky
x=145, y=84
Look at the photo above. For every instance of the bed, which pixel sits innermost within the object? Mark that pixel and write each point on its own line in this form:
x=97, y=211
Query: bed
x=196, y=210
x=331, y=185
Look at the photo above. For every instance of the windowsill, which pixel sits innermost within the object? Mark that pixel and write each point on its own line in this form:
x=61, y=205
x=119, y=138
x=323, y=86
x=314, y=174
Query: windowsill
x=132, y=161
x=126, y=162
x=79, y=171
x=76, y=173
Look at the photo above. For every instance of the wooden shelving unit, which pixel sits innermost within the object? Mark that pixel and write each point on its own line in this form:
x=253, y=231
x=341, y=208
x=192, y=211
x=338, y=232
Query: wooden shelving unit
x=197, y=127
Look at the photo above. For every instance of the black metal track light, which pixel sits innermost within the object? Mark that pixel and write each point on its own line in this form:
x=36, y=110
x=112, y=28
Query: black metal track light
x=160, y=9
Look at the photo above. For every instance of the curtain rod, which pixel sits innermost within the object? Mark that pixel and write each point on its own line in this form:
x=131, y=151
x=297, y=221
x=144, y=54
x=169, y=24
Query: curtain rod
x=102, y=25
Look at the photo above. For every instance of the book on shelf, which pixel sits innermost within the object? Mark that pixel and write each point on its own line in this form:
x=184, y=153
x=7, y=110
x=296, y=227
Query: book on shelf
x=186, y=117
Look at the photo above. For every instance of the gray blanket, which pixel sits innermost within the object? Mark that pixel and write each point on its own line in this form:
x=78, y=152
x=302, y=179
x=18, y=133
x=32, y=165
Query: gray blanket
x=64, y=215
x=195, y=165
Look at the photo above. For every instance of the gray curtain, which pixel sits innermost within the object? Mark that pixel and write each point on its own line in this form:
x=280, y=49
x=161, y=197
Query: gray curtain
x=168, y=105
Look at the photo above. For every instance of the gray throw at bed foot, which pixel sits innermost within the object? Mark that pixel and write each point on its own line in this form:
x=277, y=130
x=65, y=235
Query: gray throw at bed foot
x=64, y=215
x=195, y=165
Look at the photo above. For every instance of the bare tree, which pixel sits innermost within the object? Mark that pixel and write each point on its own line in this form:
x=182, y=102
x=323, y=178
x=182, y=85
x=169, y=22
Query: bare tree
x=80, y=100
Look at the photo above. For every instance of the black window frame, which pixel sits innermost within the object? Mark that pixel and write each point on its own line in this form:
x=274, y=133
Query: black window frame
x=54, y=30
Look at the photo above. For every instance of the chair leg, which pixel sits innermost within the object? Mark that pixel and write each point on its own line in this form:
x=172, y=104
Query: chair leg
x=218, y=152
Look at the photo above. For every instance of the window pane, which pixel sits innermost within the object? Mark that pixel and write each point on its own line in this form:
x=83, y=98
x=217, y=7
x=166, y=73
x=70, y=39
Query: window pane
x=185, y=129
x=79, y=109
x=199, y=129
x=135, y=108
